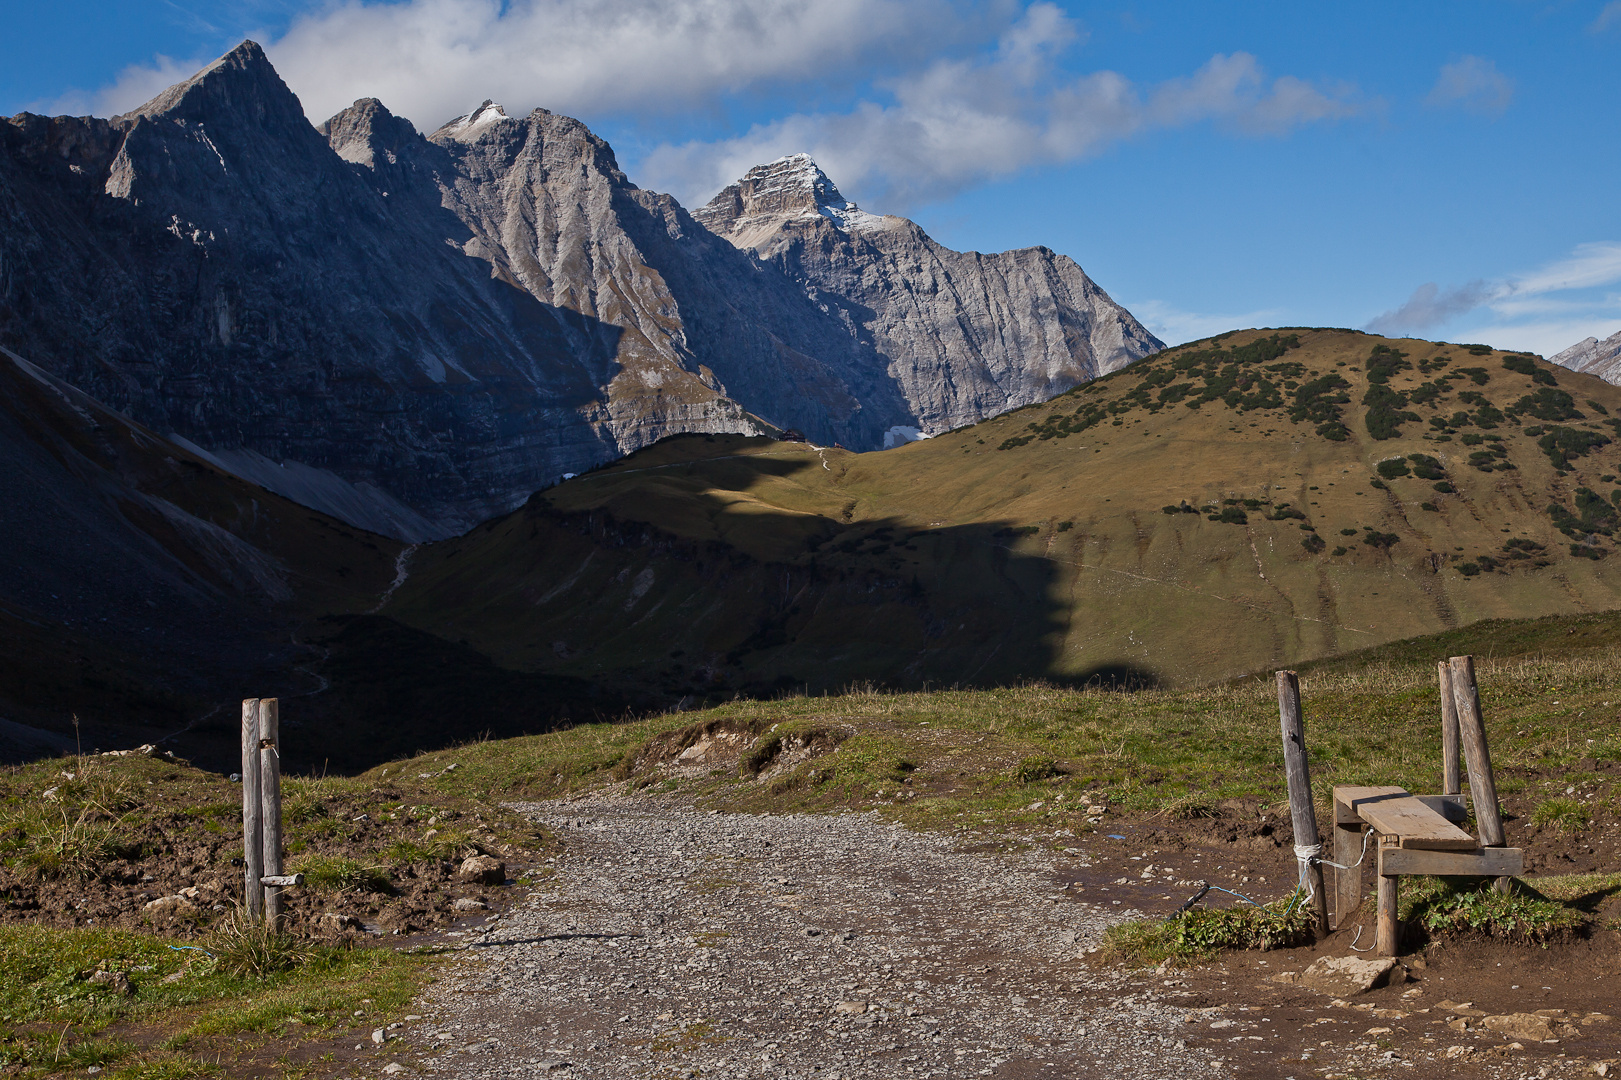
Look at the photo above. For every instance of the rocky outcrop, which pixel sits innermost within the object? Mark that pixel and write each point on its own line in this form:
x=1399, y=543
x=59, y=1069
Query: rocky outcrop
x=965, y=335
x=415, y=332
x=1594, y=357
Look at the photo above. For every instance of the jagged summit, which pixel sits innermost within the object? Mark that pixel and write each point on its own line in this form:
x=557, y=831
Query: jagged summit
x=791, y=187
x=366, y=133
x=472, y=125
x=1595, y=357
x=242, y=85
x=965, y=335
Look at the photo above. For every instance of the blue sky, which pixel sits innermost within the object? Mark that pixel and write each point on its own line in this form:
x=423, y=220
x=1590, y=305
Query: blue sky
x=1443, y=170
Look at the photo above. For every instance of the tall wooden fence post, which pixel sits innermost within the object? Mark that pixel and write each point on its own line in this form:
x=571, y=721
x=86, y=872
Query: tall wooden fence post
x=253, y=894
x=270, y=803
x=1451, y=765
x=1482, y=785
x=1301, y=811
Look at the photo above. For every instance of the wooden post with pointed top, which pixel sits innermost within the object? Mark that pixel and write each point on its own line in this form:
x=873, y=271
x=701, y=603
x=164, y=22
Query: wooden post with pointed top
x=1451, y=763
x=1302, y=813
x=253, y=894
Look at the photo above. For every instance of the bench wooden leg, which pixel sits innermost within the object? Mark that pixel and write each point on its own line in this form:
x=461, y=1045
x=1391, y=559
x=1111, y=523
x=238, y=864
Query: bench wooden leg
x=1347, y=883
x=1389, y=894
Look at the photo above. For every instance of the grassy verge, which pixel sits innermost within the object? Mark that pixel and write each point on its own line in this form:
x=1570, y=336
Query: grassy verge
x=1029, y=755
x=139, y=1006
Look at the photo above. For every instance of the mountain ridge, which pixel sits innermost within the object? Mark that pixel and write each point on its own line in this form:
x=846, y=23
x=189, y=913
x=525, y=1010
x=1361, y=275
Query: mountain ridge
x=1012, y=328
x=452, y=320
x=1594, y=357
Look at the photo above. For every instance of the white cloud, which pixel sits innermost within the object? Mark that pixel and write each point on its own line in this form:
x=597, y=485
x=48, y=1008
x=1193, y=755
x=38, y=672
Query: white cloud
x=1534, y=310
x=1608, y=17
x=1589, y=265
x=135, y=85
x=1472, y=83
x=1175, y=327
x=433, y=59
x=964, y=121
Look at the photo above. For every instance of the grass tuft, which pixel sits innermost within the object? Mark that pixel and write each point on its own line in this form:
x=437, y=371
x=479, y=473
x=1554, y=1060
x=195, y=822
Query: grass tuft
x=1469, y=907
x=337, y=874
x=249, y=948
x=1564, y=815
x=1202, y=933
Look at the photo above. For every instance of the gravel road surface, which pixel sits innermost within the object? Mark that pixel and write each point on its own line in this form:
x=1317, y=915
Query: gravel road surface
x=674, y=942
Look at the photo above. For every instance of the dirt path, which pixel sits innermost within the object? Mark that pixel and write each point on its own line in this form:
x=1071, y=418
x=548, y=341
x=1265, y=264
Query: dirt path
x=674, y=940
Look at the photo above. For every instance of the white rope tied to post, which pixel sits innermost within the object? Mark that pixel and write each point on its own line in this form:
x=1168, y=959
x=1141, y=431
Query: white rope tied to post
x=1305, y=855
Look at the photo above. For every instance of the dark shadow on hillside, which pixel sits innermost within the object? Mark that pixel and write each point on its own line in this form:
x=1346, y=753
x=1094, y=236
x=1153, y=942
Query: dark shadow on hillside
x=820, y=605
x=396, y=691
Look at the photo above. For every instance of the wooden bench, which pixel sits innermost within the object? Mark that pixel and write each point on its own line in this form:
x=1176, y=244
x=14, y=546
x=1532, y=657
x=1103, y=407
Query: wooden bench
x=1416, y=834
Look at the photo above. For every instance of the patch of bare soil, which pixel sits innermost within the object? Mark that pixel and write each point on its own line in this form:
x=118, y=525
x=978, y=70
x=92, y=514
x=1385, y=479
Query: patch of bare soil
x=1433, y=1021
x=163, y=852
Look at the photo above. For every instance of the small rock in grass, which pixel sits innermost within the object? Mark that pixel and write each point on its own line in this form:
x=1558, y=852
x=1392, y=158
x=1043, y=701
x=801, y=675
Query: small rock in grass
x=116, y=980
x=483, y=870
x=169, y=907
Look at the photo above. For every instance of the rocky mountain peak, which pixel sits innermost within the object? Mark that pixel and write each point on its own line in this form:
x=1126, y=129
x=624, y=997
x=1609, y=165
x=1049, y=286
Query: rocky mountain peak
x=469, y=127
x=239, y=87
x=366, y=133
x=1594, y=357
x=790, y=188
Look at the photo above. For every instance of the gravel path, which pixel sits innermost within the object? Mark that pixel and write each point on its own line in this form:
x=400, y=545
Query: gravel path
x=677, y=943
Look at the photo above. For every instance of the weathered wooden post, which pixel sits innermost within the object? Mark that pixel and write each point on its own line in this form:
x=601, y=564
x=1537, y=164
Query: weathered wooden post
x=269, y=764
x=1302, y=813
x=253, y=893
x=1385, y=937
x=1451, y=765
x=1482, y=784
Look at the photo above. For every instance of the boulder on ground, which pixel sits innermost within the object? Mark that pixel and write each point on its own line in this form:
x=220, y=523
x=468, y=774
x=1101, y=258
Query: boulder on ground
x=1347, y=975
x=1532, y=1027
x=483, y=870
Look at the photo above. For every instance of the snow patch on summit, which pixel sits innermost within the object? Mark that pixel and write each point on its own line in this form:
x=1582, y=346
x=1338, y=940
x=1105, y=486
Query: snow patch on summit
x=469, y=127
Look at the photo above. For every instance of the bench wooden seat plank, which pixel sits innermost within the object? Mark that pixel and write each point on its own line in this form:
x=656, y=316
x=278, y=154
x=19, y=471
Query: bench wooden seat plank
x=1394, y=812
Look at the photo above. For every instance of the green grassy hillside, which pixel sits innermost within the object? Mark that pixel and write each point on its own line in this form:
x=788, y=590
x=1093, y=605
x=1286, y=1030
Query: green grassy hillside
x=1243, y=502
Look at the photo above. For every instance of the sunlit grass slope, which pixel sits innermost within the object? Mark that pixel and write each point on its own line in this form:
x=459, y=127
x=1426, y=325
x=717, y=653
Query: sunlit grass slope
x=1262, y=498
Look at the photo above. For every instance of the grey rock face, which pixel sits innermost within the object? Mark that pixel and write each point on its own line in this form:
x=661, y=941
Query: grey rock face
x=1594, y=357
x=414, y=333
x=965, y=335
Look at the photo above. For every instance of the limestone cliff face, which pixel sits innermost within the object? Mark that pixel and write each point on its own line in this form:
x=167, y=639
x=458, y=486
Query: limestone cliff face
x=964, y=335
x=1594, y=357
x=416, y=332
